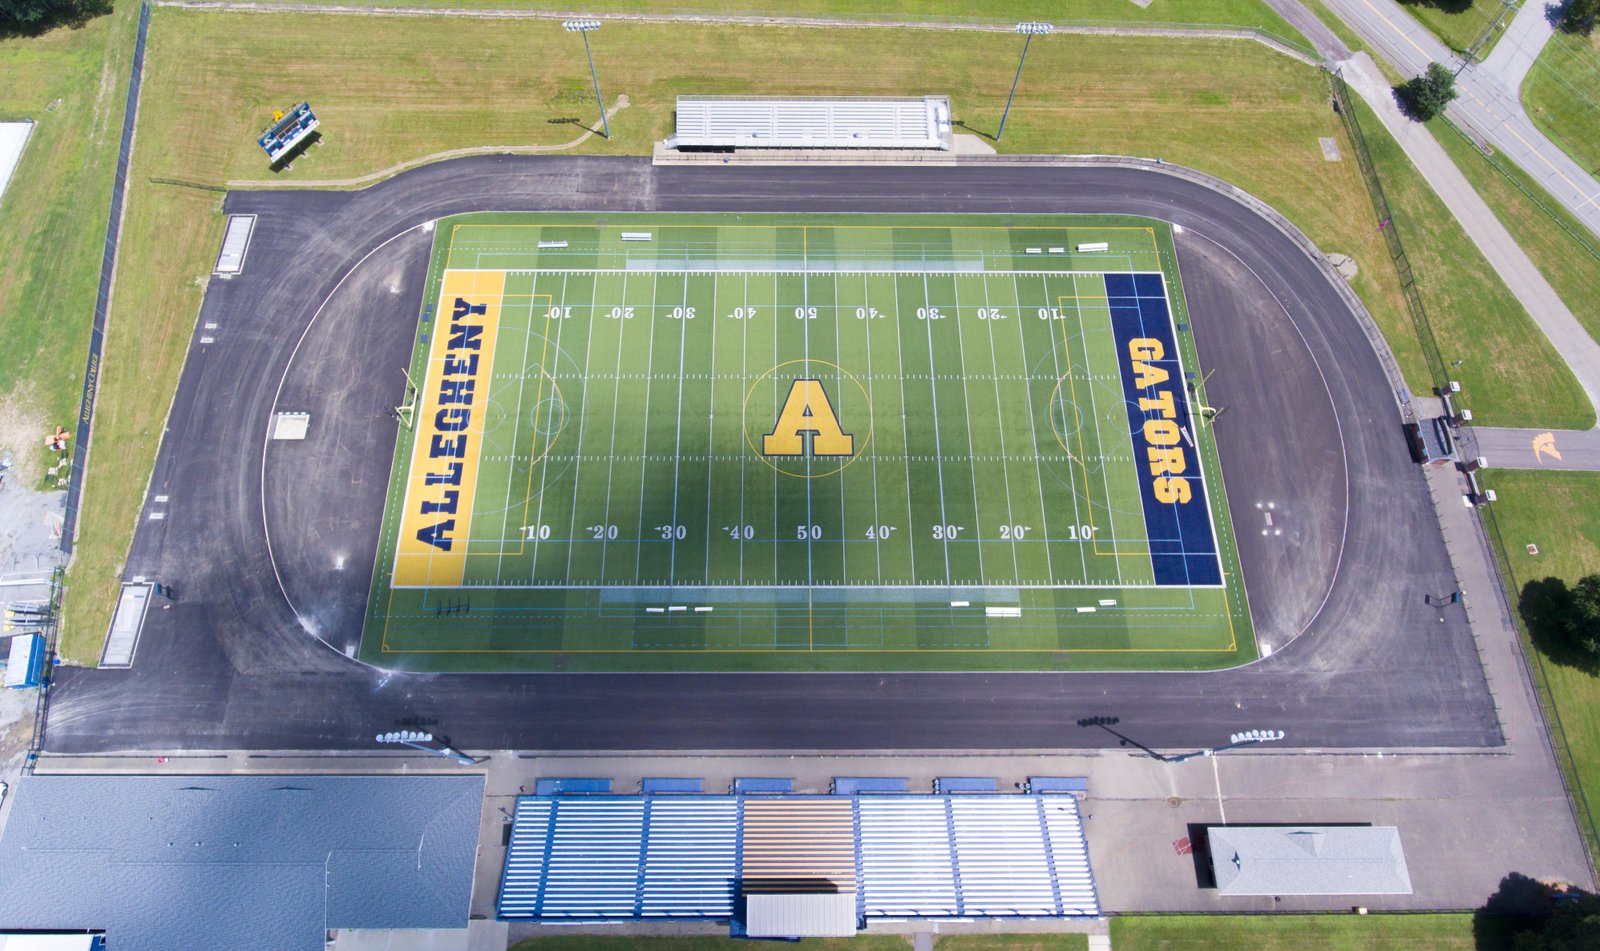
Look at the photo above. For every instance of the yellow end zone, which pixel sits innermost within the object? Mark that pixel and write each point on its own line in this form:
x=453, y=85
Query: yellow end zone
x=443, y=474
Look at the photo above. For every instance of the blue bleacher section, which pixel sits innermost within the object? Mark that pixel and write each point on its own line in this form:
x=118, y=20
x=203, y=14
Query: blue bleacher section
x=955, y=784
x=677, y=856
x=761, y=785
x=567, y=787
x=669, y=785
x=851, y=785
x=1058, y=784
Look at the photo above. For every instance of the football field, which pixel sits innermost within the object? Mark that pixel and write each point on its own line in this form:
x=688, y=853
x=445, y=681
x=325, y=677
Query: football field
x=690, y=442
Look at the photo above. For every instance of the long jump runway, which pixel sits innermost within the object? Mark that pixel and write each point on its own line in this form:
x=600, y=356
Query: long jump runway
x=1336, y=533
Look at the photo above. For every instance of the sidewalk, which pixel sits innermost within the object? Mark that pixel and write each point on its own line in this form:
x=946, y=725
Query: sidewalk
x=1525, y=281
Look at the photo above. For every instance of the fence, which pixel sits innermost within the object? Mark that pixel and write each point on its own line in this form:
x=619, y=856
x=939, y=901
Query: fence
x=1577, y=798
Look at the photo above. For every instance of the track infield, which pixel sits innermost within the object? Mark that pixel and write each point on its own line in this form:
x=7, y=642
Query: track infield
x=716, y=442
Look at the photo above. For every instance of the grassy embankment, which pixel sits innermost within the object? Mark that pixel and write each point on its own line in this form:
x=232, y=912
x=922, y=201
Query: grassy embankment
x=53, y=220
x=391, y=89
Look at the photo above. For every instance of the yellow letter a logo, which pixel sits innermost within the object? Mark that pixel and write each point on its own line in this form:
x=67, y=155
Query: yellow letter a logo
x=807, y=411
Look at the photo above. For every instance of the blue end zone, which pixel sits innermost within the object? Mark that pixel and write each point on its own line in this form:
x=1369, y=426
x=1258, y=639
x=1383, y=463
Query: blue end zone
x=1183, y=550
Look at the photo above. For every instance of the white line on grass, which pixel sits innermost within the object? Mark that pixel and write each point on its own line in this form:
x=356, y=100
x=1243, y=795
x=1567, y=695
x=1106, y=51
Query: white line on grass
x=549, y=435
x=577, y=469
x=616, y=394
x=1094, y=407
x=711, y=425
x=877, y=520
x=905, y=432
x=1000, y=424
x=1038, y=464
x=1055, y=356
x=972, y=450
x=938, y=449
x=677, y=442
x=644, y=438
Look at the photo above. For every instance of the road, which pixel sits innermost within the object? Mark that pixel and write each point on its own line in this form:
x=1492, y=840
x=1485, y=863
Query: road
x=231, y=665
x=1489, y=106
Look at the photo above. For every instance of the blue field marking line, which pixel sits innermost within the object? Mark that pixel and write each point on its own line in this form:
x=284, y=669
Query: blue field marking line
x=1183, y=544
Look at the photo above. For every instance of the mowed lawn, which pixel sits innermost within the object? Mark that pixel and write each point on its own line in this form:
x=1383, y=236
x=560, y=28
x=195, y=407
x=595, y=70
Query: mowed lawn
x=1458, y=23
x=1295, y=933
x=52, y=221
x=1558, y=244
x=1562, y=95
x=1251, y=13
x=1559, y=512
x=394, y=89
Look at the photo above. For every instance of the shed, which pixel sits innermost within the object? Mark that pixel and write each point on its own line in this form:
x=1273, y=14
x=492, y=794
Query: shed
x=1308, y=860
x=857, y=122
x=800, y=915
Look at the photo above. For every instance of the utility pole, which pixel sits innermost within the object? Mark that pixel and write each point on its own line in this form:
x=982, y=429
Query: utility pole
x=1471, y=55
x=1029, y=30
x=585, y=27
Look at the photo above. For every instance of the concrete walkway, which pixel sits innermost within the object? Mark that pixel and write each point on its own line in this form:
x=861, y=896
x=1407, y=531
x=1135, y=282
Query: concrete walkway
x=1489, y=107
x=1520, y=44
x=1525, y=280
x=1538, y=448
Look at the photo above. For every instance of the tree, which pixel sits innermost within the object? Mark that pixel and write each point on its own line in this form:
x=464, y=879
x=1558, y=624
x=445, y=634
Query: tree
x=1579, y=14
x=36, y=13
x=1563, y=621
x=1426, y=96
x=1573, y=926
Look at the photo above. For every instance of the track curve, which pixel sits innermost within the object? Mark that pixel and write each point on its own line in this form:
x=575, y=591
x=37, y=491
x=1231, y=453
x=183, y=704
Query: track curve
x=233, y=667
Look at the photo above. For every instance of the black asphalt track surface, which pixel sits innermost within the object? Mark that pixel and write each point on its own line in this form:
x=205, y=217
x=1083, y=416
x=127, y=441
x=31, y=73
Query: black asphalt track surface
x=322, y=318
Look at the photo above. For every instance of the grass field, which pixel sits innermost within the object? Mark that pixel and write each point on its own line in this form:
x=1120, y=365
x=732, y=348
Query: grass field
x=391, y=89
x=1458, y=23
x=53, y=219
x=1296, y=932
x=1251, y=13
x=1558, y=244
x=848, y=442
x=1559, y=512
x=1562, y=95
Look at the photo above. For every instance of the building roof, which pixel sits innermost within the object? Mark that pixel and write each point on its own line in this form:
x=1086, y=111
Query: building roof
x=1308, y=860
x=590, y=857
x=865, y=122
x=266, y=862
x=800, y=915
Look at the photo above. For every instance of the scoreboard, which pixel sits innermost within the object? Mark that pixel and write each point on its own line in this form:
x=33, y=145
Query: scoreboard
x=287, y=131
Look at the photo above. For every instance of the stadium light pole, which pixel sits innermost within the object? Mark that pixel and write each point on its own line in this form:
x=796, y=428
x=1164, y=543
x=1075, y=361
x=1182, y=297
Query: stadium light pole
x=1030, y=30
x=1236, y=740
x=585, y=27
x=415, y=739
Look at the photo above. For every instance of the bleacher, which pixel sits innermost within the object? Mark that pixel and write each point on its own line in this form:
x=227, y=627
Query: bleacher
x=578, y=856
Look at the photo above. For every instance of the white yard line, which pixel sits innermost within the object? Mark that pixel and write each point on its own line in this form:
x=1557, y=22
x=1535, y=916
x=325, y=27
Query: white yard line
x=616, y=391
x=1055, y=358
x=1038, y=462
x=1094, y=407
x=577, y=468
x=711, y=424
x=677, y=441
x=548, y=436
x=938, y=451
x=877, y=520
x=905, y=433
x=516, y=427
x=744, y=367
x=838, y=361
x=644, y=438
x=1000, y=423
x=972, y=450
